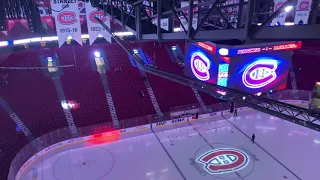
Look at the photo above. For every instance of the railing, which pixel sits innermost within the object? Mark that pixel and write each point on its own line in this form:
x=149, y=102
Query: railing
x=64, y=133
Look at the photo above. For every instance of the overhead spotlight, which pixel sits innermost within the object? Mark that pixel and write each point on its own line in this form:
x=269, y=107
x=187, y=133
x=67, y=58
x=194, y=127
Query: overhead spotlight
x=243, y=97
x=173, y=48
x=288, y=8
x=49, y=59
x=135, y=51
x=97, y=54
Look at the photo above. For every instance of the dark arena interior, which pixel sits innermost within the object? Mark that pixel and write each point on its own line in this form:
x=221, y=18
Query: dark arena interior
x=159, y=89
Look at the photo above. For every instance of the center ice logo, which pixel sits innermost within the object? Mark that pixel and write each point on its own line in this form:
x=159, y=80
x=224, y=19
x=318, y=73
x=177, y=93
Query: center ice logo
x=98, y=14
x=260, y=73
x=200, y=66
x=67, y=18
x=223, y=160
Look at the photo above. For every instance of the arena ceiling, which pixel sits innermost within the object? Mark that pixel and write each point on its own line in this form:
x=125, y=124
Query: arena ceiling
x=213, y=20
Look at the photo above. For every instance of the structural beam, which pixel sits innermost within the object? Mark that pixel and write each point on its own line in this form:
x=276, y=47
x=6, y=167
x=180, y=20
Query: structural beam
x=204, y=19
x=190, y=19
x=120, y=23
x=209, y=35
x=298, y=32
x=273, y=15
x=138, y=22
x=159, y=2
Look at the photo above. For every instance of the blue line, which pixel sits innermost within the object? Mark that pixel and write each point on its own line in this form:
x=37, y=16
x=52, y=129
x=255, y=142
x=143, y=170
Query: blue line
x=263, y=149
x=174, y=163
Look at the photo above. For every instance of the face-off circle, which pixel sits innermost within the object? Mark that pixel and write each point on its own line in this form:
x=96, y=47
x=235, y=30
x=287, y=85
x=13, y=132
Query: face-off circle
x=224, y=161
x=82, y=164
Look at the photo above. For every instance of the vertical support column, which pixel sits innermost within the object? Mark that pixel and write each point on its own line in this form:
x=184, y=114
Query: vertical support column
x=112, y=9
x=138, y=22
x=249, y=19
x=190, y=19
x=122, y=14
x=240, y=14
x=315, y=12
x=159, y=19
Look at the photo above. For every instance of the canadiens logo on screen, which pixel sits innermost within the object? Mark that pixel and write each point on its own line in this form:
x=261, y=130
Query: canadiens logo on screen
x=98, y=14
x=223, y=160
x=260, y=73
x=67, y=18
x=200, y=66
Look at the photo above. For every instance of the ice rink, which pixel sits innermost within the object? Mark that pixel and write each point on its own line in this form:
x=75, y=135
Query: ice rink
x=206, y=149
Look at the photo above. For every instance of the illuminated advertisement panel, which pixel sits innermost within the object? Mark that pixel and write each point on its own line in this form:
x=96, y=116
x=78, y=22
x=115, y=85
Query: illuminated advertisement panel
x=266, y=49
x=259, y=72
x=201, y=64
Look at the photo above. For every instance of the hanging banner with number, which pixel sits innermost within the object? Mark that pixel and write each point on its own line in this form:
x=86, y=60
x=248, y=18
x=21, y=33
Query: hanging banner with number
x=186, y=12
x=67, y=20
x=94, y=28
x=302, y=12
x=281, y=18
x=164, y=23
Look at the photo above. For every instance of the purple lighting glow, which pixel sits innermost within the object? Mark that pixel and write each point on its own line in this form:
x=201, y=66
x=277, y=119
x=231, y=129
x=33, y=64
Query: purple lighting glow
x=200, y=66
x=260, y=73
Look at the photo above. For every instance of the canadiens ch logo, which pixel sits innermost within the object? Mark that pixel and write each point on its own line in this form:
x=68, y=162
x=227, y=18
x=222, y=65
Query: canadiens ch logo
x=260, y=73
x=200, y=66
x=98, y=14
x=223, y=160
x=67, y=18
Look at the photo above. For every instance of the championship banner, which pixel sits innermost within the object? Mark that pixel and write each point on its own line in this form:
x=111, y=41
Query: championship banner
x=302, y=12
x=281, y=18
x=67, y=20
x=185, y=21
x=94, y=28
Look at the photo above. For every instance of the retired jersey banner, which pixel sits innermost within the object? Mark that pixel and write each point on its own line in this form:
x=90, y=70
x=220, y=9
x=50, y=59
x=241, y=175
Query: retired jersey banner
x=94, y=27
x=302, y=12
x=67, y=20
x=281, y=18
x=164, y=23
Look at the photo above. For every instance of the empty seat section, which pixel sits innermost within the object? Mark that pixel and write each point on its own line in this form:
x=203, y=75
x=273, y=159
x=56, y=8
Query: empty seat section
x=168, y=93
x=83, y=85
x=127, y=86
x=31, y=93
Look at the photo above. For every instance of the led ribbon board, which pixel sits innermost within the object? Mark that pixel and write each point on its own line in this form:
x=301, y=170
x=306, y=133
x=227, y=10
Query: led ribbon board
x=260, y=73
x=200, y=66
x=280, y=47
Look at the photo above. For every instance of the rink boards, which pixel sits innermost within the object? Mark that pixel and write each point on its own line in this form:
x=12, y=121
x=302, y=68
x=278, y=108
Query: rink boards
x=144, y=128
